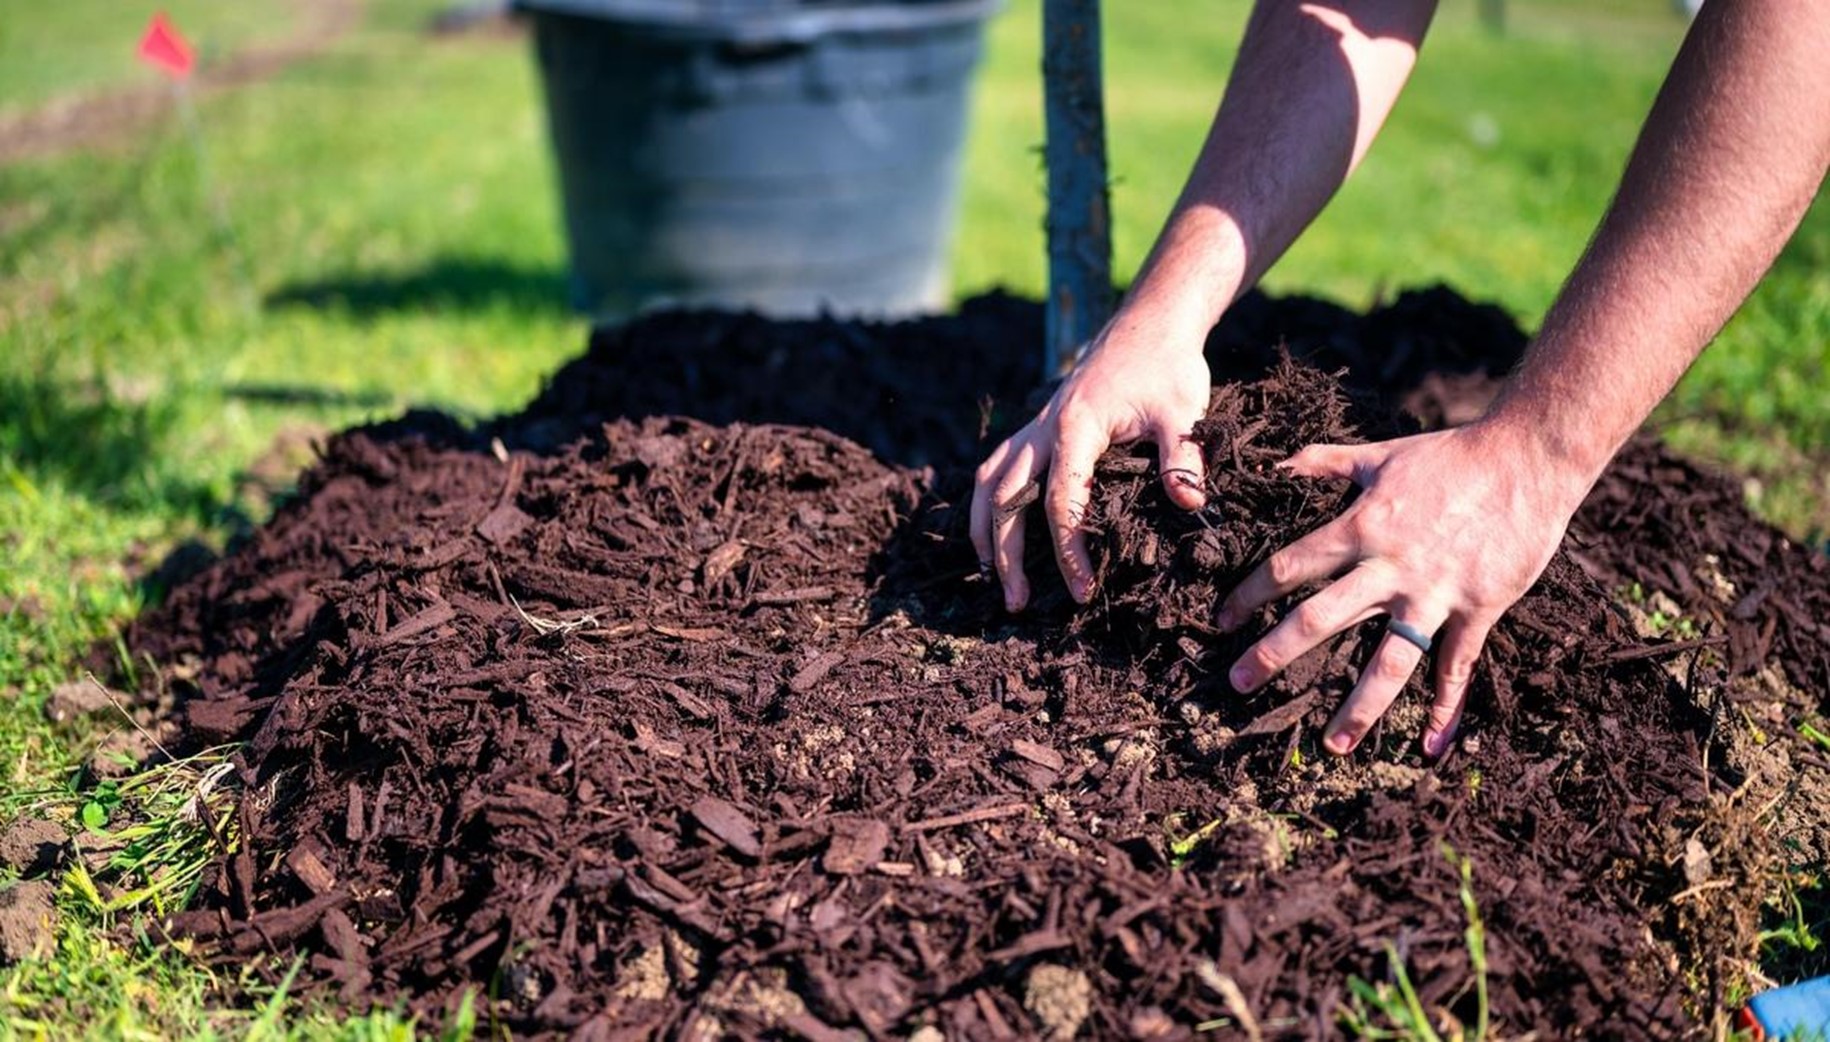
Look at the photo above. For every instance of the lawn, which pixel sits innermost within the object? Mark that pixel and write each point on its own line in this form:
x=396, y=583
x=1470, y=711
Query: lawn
x=54, y=51
x=387, y=235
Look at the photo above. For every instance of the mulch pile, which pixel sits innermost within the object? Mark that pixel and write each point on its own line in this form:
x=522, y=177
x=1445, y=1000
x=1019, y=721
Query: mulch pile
x=674, y=705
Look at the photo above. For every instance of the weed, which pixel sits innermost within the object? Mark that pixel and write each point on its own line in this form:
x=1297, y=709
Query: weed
x=1182, y=848
x=1814, y=734
x=1392, y=1010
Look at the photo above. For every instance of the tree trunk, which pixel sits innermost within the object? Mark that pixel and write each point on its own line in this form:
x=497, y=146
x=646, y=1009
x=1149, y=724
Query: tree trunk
x=1079, y=225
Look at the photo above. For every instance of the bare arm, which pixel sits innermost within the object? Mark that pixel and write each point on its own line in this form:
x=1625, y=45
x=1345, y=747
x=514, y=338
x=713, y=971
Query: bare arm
x=1313, y=84
x=1455, y=526
x=1311, y=89
x=1730, y=158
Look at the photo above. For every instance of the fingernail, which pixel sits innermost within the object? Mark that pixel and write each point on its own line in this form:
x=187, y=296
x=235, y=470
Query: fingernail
x=1226, y=621
x=1437, y=743
x=1339, y=743
x=1242, y=678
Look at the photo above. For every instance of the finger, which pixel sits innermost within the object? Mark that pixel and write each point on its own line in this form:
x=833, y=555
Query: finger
x=979, y=520
x=1184, y=477
x=1327, y=461
x=1321, y=553
x=1355, y=597
x=1008, y=513
x=1070, y=491
x=1391, y=666
x=1456, y=656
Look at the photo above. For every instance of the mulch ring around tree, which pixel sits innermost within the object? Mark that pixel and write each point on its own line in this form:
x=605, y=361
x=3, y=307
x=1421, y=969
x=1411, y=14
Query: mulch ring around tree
x=675, y=706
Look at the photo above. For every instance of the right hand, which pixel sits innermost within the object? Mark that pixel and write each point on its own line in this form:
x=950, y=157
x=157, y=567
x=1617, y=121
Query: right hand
x=1133, y=383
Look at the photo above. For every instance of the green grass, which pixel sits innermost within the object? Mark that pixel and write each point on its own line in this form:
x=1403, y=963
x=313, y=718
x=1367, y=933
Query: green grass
x=1392, y=1010
x=52, y=50
x=392, y=239
x=1490, y=176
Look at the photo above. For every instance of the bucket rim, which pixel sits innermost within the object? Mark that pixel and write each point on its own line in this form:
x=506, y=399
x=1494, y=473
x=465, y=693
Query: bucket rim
x=783, y=24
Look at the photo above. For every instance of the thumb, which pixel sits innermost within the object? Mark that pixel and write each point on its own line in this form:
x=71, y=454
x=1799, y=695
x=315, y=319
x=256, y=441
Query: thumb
x=1329, y=461
x=1184, y=476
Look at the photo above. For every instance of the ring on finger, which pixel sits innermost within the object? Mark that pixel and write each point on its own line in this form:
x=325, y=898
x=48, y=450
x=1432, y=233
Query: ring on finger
x=1405, y=631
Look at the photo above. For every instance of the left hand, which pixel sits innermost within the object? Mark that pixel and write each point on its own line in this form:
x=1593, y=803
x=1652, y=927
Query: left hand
x=1451, y=529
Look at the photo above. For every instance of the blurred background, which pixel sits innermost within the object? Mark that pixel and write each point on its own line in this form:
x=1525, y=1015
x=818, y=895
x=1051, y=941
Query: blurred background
x=357, y=212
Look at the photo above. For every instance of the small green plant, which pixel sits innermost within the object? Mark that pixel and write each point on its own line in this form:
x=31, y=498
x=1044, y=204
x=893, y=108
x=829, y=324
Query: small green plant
x=1659, y=620
x=1680, y=626
x=1814, y=734
x=1388, y=1010
x=1800, y=916
x=1184, y=847
x=147, y=839
x=1392, y=1010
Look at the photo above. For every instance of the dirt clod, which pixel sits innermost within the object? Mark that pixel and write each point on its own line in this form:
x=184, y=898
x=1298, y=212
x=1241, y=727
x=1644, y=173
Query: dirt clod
x=28, y=921
x=75, y=699
x=1059, y=998
x=33, y=846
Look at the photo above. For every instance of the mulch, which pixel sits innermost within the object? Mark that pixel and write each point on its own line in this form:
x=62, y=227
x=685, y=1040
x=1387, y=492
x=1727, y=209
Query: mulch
x=675, y=706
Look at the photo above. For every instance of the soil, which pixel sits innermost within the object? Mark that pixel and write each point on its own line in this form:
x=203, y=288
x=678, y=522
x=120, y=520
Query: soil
x=33, y=846
x=28, y=921
x=675, y=706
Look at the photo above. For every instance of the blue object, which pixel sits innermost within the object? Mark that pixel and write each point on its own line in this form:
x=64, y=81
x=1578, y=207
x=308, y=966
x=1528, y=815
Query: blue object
x=792, y=156
x=1798, y=1011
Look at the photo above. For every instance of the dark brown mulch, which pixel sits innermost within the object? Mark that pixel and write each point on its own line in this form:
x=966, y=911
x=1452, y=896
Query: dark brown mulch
x=707, y=726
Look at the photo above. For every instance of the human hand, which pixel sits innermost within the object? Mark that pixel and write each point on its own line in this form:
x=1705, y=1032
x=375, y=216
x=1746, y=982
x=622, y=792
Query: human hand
x=1451, y=529
x=1138, y=381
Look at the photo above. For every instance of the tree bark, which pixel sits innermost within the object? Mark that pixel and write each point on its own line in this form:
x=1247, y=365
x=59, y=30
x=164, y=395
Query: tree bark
x=1079, y=225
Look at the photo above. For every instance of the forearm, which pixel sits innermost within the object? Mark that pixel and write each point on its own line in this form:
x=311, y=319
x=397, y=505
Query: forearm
x=1730, y=158
x=1311, y=87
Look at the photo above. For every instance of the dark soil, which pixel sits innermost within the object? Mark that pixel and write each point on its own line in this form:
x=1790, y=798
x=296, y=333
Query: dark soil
x=658, y=726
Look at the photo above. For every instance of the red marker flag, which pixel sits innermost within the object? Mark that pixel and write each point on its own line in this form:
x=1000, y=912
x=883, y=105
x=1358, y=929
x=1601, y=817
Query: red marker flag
x=164, y=48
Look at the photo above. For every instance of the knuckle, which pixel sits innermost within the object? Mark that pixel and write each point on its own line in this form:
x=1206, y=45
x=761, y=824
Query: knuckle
x=1442, y=712
x=1356, y=527
x=1310, y=621
x=1457, y=673
x=1359, y=719
x=1265, y=660
x=1378, y=514
x=1073, y=413
x=1392, y=669
x=1282, y=569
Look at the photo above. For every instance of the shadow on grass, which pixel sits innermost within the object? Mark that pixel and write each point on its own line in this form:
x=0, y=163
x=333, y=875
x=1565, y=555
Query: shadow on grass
x=468, y=284
x=98, y=444
x=308, y=396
